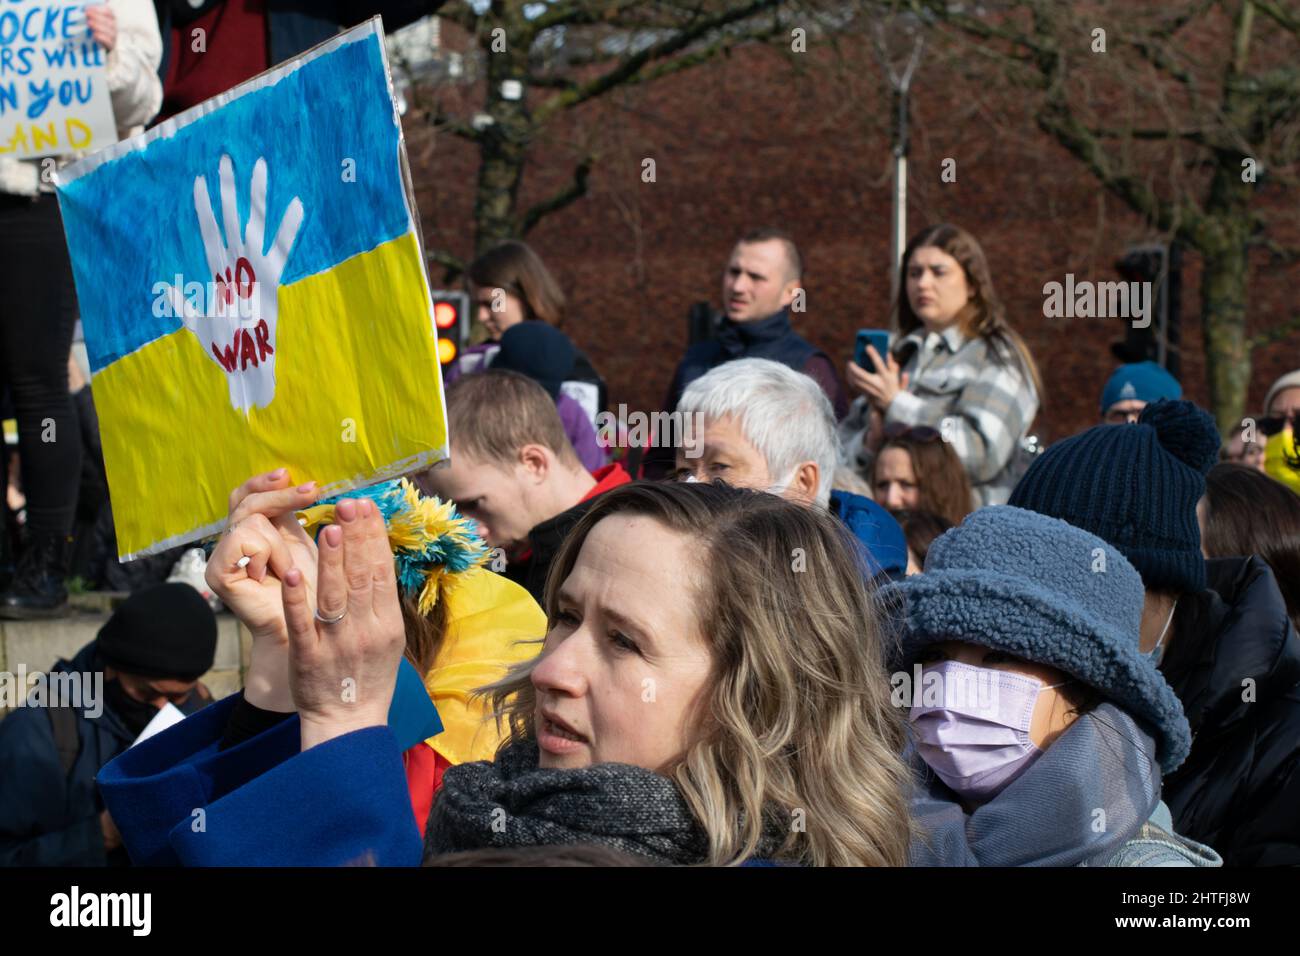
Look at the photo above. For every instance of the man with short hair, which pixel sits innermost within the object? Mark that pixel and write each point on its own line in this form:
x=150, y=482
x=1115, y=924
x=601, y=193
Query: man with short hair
x=768, y=427
x=151, y=652
x=759, y=285
x=1134, y=386
x=514, y=472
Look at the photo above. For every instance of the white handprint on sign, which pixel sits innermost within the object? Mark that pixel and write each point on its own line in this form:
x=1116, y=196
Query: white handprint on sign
x=237, y=328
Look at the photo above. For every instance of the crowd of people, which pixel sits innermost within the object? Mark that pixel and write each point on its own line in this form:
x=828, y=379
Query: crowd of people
x=859, y=620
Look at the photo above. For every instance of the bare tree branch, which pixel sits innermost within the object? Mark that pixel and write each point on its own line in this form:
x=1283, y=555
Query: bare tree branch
x=569, y=194
x=1289, y=21
x=1276, y=334
x=633, y=64
x=580, y=12
x=453, y=265
x=449, y=124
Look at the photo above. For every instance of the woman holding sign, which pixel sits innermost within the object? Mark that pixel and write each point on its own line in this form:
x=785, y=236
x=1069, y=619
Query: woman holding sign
x=115, y=44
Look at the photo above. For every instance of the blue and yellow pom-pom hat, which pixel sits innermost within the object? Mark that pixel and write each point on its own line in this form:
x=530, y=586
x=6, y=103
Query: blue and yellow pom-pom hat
x=491, y=622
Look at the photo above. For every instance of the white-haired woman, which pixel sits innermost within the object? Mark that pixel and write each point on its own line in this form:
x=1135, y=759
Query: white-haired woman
x=755, y=423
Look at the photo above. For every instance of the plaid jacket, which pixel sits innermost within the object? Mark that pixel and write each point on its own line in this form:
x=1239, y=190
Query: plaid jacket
x=977, y=397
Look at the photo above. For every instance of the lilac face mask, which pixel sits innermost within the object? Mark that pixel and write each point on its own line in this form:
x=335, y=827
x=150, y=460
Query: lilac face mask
x=973, y=729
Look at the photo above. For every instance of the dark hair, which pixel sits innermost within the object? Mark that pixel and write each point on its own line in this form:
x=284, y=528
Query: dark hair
x=1247, y=512
x=942, y=485
x=770, y=234
x=514, y=266
x=921, y=528
x=984, y=315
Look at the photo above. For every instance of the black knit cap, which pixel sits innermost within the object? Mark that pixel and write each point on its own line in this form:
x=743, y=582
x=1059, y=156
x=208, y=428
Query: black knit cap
x=1136, y=487
x=166, y=630
x=540, y=351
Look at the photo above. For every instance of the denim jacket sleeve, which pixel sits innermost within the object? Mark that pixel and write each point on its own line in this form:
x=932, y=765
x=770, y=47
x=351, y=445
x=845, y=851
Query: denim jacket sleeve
x=1156, y=844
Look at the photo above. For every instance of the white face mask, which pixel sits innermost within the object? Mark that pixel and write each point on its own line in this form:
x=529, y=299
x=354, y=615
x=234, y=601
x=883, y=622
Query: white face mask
x=780, y=487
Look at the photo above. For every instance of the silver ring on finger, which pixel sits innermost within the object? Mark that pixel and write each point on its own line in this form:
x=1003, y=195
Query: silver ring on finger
x=331, y=620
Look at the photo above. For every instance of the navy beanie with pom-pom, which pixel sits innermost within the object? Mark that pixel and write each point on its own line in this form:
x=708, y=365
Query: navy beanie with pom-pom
x=1136, y=487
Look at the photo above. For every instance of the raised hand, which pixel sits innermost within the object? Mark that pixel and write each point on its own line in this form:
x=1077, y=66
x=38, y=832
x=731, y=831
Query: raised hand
x=345, y=648
x=880, y=386
x=263, y=540
x=238, y=329
x=102, y=23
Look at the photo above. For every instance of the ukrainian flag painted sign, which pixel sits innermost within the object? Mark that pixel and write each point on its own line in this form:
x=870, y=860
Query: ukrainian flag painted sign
x=253, y=294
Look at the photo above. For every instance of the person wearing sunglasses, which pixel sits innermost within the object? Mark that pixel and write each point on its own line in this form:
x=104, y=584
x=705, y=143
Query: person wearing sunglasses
x=916, y=469
x=1283, y=397
x=1281, y=458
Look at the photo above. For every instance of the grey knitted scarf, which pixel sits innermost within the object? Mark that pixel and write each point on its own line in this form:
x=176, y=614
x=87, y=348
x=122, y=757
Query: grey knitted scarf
x=1078, y=803
x=511, y=802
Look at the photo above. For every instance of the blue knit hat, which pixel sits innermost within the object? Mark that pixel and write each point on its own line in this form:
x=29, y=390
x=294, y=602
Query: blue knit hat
x=1141, y=381
x=1048, y=593
x=1136, y=486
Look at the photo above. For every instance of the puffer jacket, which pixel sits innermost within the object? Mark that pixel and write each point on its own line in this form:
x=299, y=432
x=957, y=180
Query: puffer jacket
x=1234, y=661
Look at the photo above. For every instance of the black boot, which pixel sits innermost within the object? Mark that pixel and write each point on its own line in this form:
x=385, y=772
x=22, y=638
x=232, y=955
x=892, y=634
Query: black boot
x=38, y=588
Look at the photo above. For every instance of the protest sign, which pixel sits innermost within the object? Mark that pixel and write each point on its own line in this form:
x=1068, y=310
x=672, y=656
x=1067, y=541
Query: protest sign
x=54, y=96
x=253, y=293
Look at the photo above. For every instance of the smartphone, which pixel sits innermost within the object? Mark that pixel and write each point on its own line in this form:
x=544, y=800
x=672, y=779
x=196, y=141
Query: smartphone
x=877, y=339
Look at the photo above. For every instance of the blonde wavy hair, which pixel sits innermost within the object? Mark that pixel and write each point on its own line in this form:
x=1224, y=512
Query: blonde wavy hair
x=794, y=728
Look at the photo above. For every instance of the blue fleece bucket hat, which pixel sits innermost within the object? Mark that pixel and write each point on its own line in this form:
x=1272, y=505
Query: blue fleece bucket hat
x=1047, y=592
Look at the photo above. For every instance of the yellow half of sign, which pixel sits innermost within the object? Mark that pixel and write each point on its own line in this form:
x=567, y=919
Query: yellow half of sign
x=357, y=398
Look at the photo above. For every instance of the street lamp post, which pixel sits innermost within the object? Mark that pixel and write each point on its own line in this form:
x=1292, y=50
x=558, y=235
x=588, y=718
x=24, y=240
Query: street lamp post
x=901, y=84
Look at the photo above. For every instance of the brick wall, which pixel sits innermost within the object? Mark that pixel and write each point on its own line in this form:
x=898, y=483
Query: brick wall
x=746, y=141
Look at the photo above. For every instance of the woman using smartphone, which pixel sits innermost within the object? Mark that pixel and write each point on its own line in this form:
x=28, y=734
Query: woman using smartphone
x=958, y=367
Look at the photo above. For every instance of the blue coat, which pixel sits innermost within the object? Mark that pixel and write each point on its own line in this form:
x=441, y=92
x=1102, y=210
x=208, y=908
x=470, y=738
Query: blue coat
x=879, y=533
x=178, y=800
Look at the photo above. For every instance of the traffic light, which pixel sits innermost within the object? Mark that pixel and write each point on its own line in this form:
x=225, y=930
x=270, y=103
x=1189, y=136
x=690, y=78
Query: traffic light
x=1159, y=342
x=451, y=318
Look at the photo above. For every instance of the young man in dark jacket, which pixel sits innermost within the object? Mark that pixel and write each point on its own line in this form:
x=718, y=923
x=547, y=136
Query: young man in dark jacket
x=151, y=652
x=760, y=284
x=1218, y=629
x=514, y=472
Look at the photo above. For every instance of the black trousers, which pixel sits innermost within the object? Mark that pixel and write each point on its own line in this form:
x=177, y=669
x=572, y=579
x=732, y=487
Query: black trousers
x=38, y=311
